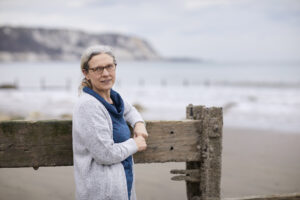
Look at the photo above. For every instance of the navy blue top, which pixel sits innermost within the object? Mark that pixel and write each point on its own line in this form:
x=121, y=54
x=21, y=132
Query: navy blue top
x=121, y=130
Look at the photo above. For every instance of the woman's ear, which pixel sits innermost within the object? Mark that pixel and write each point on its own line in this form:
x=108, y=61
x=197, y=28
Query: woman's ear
x=86, y=74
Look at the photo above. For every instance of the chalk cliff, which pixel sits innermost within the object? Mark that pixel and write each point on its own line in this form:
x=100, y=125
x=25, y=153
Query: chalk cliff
x=36, y=44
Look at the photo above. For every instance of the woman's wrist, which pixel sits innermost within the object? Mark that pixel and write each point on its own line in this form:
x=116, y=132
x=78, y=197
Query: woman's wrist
x=140, y=129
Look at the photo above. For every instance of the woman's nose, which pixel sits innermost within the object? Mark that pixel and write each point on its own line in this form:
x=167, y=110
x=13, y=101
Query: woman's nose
x=105, y=72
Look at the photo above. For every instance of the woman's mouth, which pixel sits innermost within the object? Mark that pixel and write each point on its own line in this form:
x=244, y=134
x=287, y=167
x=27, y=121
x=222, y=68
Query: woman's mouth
x=106, y=81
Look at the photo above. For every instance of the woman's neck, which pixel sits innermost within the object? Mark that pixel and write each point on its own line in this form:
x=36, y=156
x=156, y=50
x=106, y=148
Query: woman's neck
x=105, y=95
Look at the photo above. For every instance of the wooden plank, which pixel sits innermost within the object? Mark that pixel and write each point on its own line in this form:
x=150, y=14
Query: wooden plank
x=215, y=129
x=190, y=175
x=171, y=141
x=209, y=166
x=193, y=188
x=34, y=144
x=293, y=196
x=49, y=143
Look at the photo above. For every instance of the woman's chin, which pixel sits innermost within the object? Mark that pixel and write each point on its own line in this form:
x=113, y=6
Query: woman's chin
x=106, y=87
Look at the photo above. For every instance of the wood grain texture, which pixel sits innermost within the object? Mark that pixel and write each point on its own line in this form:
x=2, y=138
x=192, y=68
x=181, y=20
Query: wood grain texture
x=193, y=188
x=215, y=126
x=171, y=141
x=209, y=165
x=293, y=196
x=34, y=144
x=49, y=143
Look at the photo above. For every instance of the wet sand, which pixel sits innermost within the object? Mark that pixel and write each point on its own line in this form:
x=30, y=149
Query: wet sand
x=253, y=163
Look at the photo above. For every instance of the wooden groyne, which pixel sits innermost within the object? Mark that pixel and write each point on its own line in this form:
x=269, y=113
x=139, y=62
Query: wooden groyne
x=196, y=141
x=293, y=196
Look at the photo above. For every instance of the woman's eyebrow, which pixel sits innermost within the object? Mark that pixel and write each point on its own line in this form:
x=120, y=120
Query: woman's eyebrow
x=104, y=65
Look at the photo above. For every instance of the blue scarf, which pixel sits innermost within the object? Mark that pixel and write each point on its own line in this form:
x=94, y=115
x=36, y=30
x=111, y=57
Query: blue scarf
x=121, y=130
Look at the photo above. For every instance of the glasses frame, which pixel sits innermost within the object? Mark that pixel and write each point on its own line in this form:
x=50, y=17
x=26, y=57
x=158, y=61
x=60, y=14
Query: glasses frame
x=99, y=70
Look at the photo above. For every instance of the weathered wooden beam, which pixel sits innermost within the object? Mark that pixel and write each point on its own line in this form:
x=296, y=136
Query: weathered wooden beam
x=171, y=141
x=209, y=166
x=193, y=188
x=214, y=128
x=34, y=144
x=191, y=179
x=49, y=143
x=293, y=196
x=191, y=175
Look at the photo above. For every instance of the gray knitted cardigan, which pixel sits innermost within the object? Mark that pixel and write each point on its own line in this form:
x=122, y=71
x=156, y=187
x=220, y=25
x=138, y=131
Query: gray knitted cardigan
x=98, y=171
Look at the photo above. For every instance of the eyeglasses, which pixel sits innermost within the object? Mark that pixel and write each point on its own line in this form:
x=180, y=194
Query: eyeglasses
x=99, y=70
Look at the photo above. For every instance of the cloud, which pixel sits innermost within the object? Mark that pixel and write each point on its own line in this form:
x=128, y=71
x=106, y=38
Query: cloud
x=196, y=4
x=214, y=29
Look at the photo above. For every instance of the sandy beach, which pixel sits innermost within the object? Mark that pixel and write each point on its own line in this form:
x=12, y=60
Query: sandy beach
x=253, y=163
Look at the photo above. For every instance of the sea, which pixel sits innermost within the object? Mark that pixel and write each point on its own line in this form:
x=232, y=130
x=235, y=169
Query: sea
x=262, y=96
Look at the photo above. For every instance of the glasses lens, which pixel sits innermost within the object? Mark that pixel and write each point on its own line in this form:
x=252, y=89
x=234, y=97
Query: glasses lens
x=110, y=67
x=100, y=70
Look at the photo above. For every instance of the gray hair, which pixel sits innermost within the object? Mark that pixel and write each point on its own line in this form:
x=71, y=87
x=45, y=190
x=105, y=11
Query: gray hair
x=87, y=56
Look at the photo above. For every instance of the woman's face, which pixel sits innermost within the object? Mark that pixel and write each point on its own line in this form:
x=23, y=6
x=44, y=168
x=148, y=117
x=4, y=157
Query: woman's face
x=101, y=73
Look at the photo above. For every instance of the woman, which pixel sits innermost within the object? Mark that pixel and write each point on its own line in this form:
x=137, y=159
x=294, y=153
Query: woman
x=102, y=147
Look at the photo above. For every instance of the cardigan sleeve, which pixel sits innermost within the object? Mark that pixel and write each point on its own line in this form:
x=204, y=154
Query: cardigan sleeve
x=92, y=128
x=131, y=115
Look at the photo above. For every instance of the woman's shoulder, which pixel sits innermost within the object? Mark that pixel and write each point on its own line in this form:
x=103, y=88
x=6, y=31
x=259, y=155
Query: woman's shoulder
x=89, y=108
x=86, y=101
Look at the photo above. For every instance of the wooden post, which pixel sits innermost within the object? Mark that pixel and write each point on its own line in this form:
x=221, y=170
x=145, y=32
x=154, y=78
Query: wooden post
x=210, y=147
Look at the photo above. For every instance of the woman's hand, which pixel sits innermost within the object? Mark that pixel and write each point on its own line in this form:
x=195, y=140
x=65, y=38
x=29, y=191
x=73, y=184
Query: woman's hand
x=140, y=142
x=140, y=130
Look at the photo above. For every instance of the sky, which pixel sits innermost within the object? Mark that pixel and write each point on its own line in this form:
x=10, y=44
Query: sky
x=217, y=30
